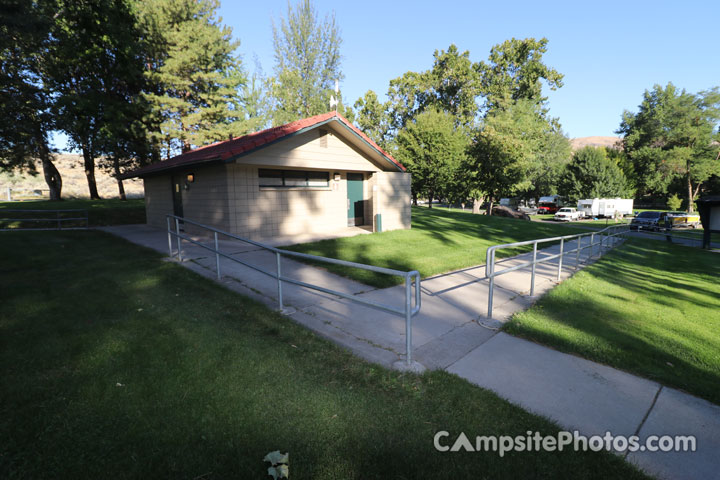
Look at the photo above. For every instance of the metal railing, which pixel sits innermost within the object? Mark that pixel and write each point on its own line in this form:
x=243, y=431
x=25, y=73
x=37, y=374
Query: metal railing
x=412, y=278
x=608, y=237
x=52, y=222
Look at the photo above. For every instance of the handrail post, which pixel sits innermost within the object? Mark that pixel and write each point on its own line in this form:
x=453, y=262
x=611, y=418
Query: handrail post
x=560, y=259
x=408, y=320
x=169, y=230
x=577, y=252
x=279, y=282
x=492, y=283
x=418, y=292
x=592, y=246
x=532, y=276
x=217, y=256
x=179, y=240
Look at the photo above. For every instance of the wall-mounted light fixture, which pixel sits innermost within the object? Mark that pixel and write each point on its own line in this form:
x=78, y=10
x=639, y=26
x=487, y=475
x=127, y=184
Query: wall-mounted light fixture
x=190, y=178
x=337, y=177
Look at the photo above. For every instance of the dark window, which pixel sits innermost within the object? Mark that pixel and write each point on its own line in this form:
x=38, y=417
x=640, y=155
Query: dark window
x=271, y=178
x=293, y=178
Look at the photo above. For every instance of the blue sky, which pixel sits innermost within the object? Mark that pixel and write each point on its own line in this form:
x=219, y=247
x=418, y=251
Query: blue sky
x=609, y=52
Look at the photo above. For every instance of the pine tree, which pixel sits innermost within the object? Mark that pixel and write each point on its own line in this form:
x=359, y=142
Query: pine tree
x=193, y=72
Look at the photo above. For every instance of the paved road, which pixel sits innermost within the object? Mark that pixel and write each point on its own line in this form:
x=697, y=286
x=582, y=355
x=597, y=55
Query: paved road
x=687, y=238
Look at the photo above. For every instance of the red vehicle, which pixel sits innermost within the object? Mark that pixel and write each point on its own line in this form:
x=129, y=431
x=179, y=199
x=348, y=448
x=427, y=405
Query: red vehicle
x=549, y=205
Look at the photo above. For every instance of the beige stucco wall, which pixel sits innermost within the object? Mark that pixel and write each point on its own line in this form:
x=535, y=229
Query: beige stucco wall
x=306, y=150
x=228, y=196
x=264, y=213
x=206, y=199
x=392, y=199
x=158, y=200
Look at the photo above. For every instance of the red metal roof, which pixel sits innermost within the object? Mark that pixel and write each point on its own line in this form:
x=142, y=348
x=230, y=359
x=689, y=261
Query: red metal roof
x=228, y=149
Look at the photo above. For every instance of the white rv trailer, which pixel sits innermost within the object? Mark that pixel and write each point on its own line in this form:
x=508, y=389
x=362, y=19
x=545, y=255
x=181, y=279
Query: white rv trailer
x=605, y=207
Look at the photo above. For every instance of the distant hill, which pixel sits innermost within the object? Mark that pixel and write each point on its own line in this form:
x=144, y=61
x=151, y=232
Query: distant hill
x=608, y=142
x=74, y=181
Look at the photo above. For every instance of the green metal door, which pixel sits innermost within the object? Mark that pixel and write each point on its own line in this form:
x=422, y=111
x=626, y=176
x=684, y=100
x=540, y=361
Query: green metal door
x=355, y=202
x=177, y=187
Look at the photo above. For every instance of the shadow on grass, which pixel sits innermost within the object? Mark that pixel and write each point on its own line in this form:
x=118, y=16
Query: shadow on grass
x=118, y=365
x=644, y=308
x=439, y=242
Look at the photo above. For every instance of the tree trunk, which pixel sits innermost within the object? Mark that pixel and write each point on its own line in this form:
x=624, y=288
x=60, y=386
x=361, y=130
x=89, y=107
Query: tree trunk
x=430, y=199
x=89, y=162
x=414, y=198
x=52, y=176
x=155, y=155
x=121, y=187
x=491, y=203
x=697, y=190
x=691, y=197
x=476, y=206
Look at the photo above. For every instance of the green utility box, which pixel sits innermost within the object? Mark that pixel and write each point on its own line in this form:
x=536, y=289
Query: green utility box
x=378, y=222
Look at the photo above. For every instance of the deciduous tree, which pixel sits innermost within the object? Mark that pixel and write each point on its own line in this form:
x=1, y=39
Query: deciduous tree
x=307, y=63
x=515, y=71
x=591, y=174
x=505, y=149
x=25, y=101
x=451, y=85
x=373, y=119
x=552, y=156
x=432, y=147
x=673, y=135
x=94, y=70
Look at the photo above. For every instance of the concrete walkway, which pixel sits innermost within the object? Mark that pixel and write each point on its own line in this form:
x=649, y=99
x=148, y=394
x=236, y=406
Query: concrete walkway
x=452, y=332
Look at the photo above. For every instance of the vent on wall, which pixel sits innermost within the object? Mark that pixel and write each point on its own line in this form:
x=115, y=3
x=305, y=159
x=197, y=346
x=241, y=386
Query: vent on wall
x=323, y=137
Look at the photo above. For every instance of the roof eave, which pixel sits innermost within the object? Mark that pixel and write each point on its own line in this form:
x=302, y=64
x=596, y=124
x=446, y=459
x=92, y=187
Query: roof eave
x=335, y=118
x=173, y=168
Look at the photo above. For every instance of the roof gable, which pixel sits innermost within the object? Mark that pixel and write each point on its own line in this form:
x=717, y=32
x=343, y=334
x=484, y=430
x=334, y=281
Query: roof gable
x=228, y=150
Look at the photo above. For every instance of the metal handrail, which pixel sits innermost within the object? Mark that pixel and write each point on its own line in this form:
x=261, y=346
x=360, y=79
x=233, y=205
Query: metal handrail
x=58, y=219
x=606, y=237
x=412, y=278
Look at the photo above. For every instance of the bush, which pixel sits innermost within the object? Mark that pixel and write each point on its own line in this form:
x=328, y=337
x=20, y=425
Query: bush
x=674, y=202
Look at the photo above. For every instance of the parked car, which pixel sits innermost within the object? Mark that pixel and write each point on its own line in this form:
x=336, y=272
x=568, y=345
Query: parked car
x=567, y=214
x=647, y=221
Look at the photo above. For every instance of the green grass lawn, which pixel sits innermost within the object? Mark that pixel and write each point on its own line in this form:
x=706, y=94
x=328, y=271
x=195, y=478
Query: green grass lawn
x=118, y=364
x=100, y=212
x=439, y=241
x=649, y=307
